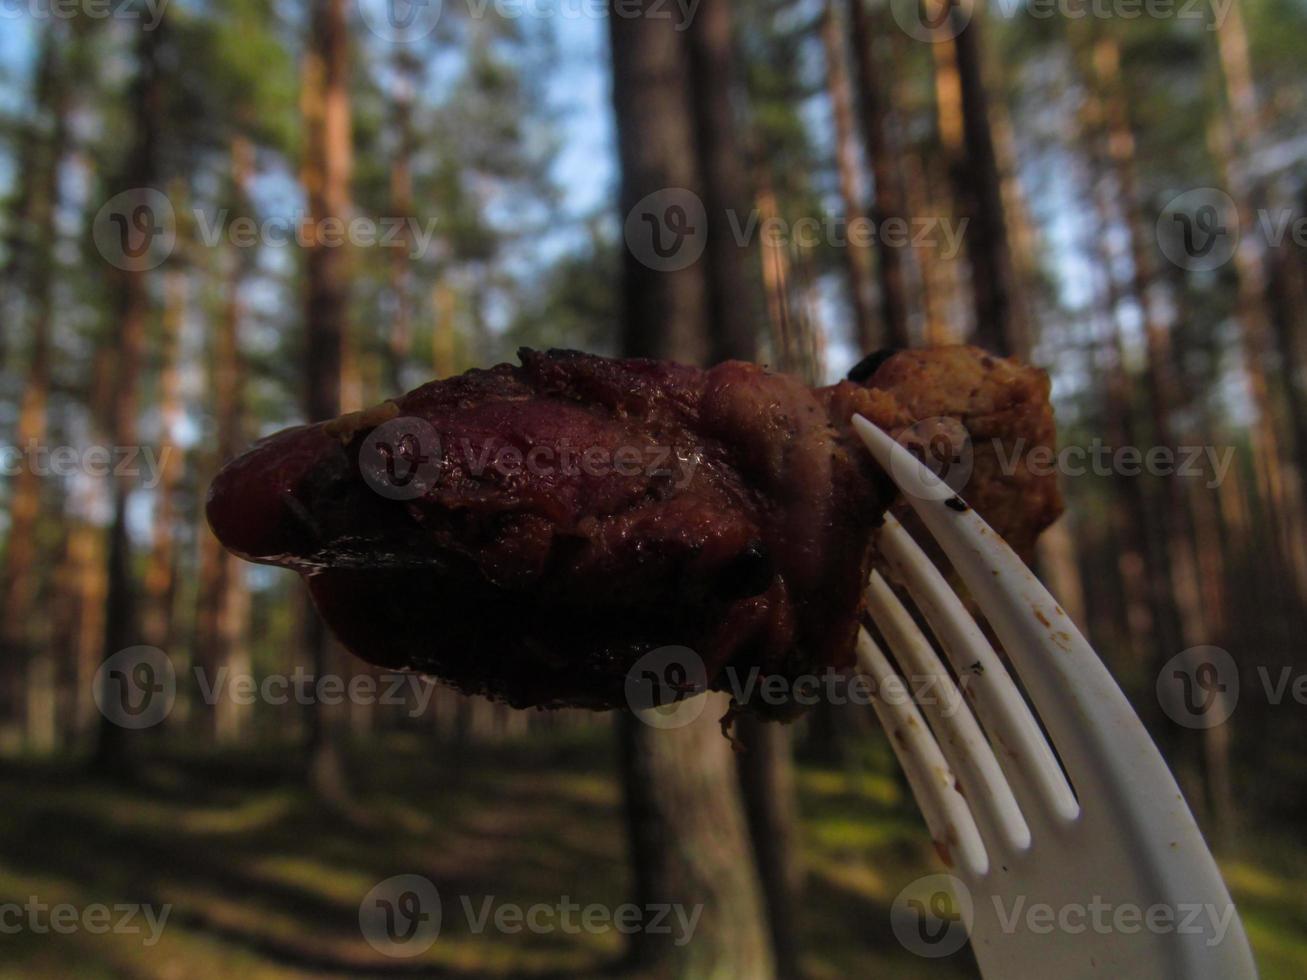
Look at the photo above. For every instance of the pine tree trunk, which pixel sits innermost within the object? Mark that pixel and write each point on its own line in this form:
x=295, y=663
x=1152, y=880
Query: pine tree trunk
x=404, y=65
x=979, y=184
x=326, y=175
x=132, y=312
x=157, y=622
x=887, y=188
x=1238, y=141
x=656, y=149
x=857, y=260
x=19, y=575
x=731, y=320
x=688, y=836
x=221, y=607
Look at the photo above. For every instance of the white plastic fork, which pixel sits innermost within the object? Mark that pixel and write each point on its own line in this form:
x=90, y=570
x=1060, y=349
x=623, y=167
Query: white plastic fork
x=1106, y=875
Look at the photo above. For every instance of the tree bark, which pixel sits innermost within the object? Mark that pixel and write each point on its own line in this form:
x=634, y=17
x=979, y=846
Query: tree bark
x=979, y=184
x=656, y=149
x=857, y=260
x=327, y=166
x=887, y=201
x=37, y=236
x=1238, y=140
x=709, y=44
x=157, y=623
x=132, y=312
x=220, y=621
x=688, y=837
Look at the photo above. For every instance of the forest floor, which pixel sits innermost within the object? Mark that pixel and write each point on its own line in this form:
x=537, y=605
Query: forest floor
x=263, y=882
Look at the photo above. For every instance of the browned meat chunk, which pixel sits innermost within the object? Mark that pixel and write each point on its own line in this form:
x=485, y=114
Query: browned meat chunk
x=528, y=532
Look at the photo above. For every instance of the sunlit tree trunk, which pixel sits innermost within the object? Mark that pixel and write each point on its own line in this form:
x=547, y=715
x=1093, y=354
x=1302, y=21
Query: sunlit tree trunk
x=157, y=621
x=33, y=271
x=857, y=260
x=31, y=172
x=1238, y=139
x=222, y=601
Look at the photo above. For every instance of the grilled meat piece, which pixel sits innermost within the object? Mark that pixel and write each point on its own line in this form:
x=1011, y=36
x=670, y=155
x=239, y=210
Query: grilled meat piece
x=529, y=532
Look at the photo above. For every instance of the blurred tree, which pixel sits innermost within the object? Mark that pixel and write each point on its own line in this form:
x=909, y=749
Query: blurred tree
x=688, y=835
x=883, y=156
x=131, y=313
x=857, y=260
x=325, y=172
x=31, y=271
x=975, y=170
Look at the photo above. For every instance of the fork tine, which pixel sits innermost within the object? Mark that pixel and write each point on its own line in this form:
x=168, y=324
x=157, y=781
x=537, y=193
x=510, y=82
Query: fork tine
x=1029, y=763
x=960, y=739
x=1108, y=754
x=951, y=824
